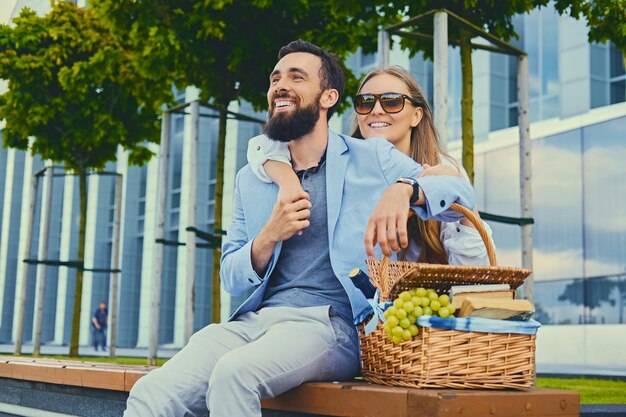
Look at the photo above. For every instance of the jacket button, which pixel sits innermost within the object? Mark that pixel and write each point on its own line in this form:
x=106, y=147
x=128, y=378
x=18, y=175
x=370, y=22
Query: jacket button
x=251, y=280
x=442, y=203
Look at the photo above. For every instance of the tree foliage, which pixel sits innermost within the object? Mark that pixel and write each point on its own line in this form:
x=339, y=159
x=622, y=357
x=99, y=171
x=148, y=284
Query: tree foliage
x=228, y=48
x=73, y=90
x=72, y=87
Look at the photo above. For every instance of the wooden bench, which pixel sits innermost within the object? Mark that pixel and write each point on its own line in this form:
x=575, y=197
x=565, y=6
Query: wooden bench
x=347, y=399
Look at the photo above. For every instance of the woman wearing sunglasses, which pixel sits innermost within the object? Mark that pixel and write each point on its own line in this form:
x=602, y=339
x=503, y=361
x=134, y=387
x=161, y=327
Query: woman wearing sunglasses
x=389, y=103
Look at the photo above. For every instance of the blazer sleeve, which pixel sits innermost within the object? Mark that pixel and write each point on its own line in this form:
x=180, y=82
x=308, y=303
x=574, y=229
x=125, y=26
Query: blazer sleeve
x=440, y=190
x=237, y=274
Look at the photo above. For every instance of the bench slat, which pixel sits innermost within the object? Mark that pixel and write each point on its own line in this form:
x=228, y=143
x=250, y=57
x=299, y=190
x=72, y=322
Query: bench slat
x=346, y=399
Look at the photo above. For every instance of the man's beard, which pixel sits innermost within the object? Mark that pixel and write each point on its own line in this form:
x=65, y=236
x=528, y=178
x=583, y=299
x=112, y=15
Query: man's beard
x=285, y=127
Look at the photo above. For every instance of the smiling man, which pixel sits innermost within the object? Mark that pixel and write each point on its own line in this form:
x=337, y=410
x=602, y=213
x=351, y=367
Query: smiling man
x=298, y=324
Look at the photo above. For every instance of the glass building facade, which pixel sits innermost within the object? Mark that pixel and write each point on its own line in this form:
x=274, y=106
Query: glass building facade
x=577, y=95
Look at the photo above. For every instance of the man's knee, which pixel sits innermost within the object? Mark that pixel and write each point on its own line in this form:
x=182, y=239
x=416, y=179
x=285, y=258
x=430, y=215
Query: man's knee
x=159, y=394
x=141, y=398
x=226, y=369
x=231, y=373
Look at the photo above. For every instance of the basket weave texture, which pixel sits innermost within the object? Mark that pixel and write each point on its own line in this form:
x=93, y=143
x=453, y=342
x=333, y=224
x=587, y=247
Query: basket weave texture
x=441, y=358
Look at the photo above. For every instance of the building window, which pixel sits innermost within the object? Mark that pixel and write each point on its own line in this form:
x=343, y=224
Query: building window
x=539, y=39
x=608, y=77
x=617, y=79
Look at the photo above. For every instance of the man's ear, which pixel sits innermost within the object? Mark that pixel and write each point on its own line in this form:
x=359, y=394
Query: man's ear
x=329, y=98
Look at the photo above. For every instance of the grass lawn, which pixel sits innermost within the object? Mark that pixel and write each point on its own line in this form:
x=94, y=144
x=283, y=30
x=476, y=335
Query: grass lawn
x=592, y=391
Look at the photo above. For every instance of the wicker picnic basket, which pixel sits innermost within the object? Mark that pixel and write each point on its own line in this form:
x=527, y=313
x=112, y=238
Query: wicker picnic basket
x=440, y=358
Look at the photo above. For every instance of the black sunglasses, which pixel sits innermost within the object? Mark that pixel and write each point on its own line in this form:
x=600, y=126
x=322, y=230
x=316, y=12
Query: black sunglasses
x=390, y=102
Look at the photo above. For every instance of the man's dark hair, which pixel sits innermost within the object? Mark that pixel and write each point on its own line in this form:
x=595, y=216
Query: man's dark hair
x=331, y=73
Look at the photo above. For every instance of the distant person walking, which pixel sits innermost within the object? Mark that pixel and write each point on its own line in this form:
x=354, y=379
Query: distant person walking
x=99, y=321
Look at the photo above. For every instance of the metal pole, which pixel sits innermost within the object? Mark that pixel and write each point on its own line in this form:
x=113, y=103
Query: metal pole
x=383, y=48
x=164, y=159
x=190, y=244
x=115, y=264
x=440, y=76
x=21, y=296
x=526, y=200
x=44, y=234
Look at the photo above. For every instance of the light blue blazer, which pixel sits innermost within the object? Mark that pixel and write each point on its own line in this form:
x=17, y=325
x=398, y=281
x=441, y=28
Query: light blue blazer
x=357, y=173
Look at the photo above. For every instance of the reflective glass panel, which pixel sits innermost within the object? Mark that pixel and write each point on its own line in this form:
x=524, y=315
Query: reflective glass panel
x=598, y=93
x=598, y=61
x=600, y=300
x=502, y=198
x=557, y=207
x=604, y=196
x=618, y=91
x=560, y=302
x=617, y=62
x=531, y=44
x=549, y=52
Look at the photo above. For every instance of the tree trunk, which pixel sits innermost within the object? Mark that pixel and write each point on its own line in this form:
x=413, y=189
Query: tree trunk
x=78, y=294
x=467, y=104
x=44, y=236
x=217, y=226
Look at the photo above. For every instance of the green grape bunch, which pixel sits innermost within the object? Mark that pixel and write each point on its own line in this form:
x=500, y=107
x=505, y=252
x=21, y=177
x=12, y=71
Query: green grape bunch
x=401, y=317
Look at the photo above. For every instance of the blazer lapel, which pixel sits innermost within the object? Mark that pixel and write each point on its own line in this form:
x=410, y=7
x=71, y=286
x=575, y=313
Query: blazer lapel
x=337, y=163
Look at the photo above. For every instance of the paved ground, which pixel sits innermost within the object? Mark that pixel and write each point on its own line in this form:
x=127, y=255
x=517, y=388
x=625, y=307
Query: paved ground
x=542, y=368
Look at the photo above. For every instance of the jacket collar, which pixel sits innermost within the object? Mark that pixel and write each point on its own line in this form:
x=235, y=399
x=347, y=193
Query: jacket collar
x=337, y=162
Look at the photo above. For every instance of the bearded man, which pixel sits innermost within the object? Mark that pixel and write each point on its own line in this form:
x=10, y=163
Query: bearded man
x=299, y=323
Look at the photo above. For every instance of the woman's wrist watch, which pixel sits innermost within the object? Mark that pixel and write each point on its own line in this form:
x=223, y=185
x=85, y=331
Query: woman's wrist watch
x=413, y=183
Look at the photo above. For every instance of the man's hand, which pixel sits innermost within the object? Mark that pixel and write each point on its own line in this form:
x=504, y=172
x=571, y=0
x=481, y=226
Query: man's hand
x=287, y=218
x=290, y=214
x=387, y=224
x=292, y=192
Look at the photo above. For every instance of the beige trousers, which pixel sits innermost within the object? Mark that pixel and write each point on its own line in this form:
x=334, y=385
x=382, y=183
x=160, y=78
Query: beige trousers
x=228, y=368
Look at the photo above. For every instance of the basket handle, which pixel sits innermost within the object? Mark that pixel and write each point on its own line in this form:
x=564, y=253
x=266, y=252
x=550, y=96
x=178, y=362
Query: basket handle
x=383, y=277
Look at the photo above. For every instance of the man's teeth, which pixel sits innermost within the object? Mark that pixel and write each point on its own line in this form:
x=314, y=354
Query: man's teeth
x=379, y=124
x=283, y=103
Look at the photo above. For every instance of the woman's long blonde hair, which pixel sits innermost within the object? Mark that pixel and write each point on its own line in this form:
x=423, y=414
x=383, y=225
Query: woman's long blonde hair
x=425, y=149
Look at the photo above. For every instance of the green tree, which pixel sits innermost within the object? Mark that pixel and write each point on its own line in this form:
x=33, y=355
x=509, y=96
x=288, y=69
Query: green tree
x=73, y=90
x=228, y=48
